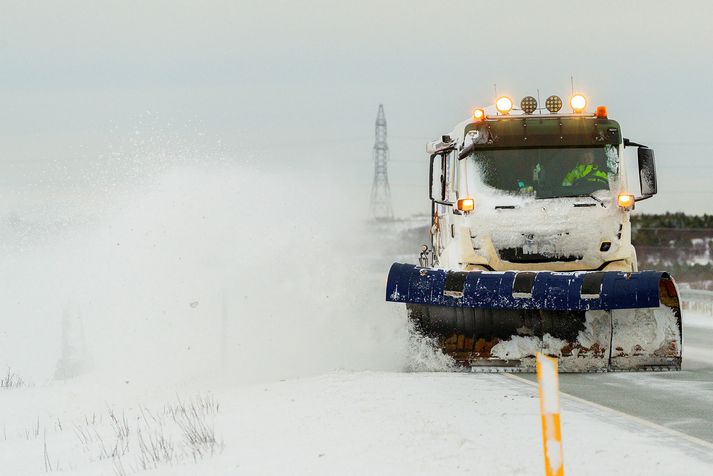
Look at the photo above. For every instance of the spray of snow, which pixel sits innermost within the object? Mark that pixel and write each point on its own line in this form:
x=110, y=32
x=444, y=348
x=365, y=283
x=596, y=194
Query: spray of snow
x=644, y=330
x=200, y=267
x=518, y=347
x=424, y=355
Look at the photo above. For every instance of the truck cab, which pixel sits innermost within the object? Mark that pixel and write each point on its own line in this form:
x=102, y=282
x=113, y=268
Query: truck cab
x=527, y=190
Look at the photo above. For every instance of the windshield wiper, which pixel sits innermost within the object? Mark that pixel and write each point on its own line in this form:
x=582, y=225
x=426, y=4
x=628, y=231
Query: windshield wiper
x=591, y=195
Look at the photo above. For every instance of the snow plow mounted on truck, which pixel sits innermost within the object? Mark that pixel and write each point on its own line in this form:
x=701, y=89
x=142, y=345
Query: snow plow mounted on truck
x=531, y=246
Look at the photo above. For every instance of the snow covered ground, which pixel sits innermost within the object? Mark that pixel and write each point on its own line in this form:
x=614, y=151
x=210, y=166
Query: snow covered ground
x=169, y=328
x=337, y=423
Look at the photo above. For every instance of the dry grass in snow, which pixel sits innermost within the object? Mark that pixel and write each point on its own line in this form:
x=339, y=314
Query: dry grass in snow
x=122, y=442
x=11, y=380
x=182, y=431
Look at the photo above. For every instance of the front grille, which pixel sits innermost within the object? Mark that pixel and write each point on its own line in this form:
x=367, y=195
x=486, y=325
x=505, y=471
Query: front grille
x=517, y=255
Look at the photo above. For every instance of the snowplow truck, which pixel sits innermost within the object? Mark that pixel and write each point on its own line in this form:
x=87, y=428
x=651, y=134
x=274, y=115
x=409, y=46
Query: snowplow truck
x=531, y=246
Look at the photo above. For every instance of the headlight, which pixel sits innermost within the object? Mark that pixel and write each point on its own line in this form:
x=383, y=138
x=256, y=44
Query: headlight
x=503, y=105
x=578, y=103
x=465, y=204
x=625, y=201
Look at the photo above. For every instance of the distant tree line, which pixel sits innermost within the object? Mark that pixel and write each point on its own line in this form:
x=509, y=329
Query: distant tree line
x=671, y=220
x=679, y=243
x=670, y=229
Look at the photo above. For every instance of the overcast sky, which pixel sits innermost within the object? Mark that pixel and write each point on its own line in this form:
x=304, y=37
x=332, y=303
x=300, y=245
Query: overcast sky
x=299, y=82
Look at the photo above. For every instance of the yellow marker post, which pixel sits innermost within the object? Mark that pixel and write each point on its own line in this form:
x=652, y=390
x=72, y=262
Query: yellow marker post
x=548, y=383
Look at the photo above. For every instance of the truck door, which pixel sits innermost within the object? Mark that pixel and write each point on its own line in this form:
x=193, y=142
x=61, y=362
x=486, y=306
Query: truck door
x=442, y=177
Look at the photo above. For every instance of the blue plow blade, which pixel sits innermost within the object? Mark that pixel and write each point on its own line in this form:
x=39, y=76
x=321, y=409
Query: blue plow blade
x=572, y=291
x=591, y=321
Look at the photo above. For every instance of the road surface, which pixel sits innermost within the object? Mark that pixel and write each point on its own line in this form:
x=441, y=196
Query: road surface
x=681, y=401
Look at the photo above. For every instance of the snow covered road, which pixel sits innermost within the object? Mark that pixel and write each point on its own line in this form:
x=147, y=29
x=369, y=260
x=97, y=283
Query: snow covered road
x=681, y=401
x=426, y=423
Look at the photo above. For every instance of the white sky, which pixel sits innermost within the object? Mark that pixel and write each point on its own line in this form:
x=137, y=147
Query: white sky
x=299, y=82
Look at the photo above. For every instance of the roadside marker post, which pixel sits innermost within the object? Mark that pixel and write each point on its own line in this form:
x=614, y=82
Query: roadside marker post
x=548, y=384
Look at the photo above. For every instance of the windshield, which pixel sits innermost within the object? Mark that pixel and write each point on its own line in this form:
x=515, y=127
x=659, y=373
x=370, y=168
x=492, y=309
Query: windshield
x=548, y=172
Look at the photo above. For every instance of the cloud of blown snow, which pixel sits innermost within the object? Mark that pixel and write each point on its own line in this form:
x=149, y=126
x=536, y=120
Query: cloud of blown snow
x=199, y=268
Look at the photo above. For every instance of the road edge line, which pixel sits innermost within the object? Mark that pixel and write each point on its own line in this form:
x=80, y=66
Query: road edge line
x=639, y=420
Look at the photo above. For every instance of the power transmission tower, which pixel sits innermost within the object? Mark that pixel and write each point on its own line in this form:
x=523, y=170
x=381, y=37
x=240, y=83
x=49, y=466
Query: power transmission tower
x=380, y=192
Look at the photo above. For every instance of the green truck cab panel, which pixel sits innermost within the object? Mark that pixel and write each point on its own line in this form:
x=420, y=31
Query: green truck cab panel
x=545, y=131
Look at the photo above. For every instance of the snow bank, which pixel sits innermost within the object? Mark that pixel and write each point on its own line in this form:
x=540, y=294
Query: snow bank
x=359, y=423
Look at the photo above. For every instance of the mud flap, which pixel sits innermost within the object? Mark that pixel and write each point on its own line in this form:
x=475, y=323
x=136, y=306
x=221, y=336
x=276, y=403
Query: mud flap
x=594, y=321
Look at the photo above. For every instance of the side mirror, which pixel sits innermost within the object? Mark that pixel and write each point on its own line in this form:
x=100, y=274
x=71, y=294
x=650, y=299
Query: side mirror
x=430, y=177
x=647, y=172
x=440, y=182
